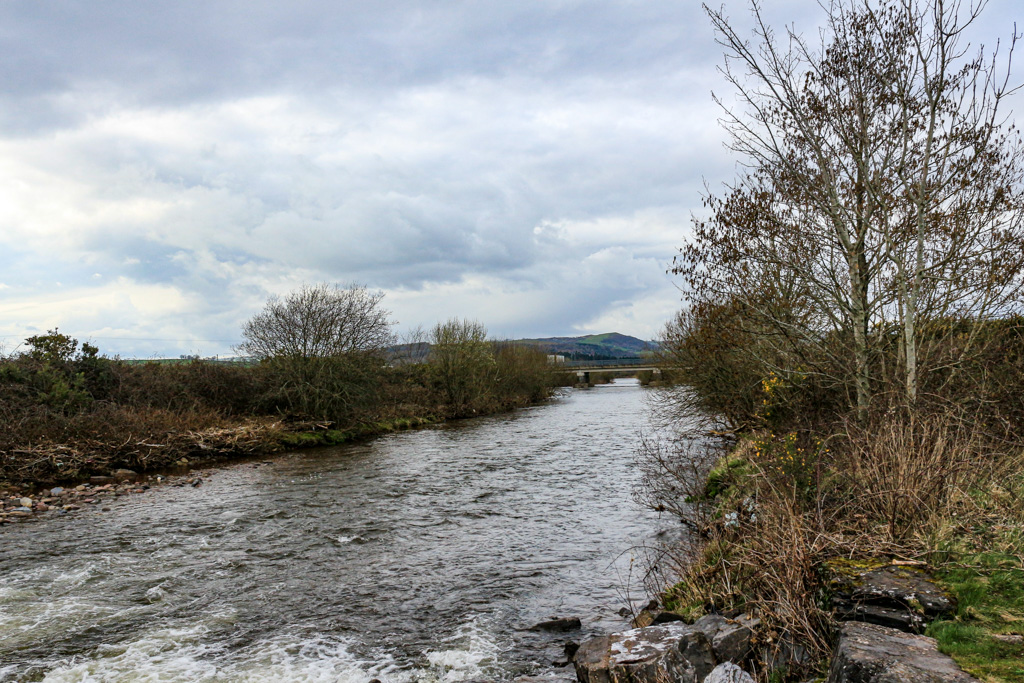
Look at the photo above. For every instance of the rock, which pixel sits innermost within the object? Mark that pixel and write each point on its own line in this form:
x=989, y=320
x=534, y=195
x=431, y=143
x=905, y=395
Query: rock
x=674, y=652
x=895, y=596
x=558, y=624
x=42, y=507
x=868, y=653
x=80, y=487
x=123, y=474
x=571, y=646
x=56, y=491
x=728, y=673
x=72, y=507
x=650, y=617
x=731, y=639
x=25, y=502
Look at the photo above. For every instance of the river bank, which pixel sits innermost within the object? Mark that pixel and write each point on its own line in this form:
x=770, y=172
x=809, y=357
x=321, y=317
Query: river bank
x=164, y=464
x=784, y=531
x=72, y=415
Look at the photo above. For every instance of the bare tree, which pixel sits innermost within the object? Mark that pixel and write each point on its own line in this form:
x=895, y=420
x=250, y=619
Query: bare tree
x=953, y=237
x=319, y=321
x=881, y=189
x=322, y=345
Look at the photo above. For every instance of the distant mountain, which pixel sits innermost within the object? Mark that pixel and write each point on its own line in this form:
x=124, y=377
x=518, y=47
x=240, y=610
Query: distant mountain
x=606, y=346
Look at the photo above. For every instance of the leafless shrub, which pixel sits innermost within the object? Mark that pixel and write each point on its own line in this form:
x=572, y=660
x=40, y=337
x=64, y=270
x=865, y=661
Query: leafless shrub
x=319, y=321
x=673, y=474
x=912, y=472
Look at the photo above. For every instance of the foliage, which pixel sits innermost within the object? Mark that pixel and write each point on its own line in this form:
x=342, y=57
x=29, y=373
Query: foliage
x=341, y=388
x=70, y=413
x=60, y=375
x=728, y=370
x=713, y=356
x=462, y=363
x=789, y=460
x=521, y=370
x=884, y=191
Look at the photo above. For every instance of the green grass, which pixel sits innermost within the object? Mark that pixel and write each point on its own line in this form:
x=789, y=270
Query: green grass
x=729, y=472
x=989, y=587
x=594, y=338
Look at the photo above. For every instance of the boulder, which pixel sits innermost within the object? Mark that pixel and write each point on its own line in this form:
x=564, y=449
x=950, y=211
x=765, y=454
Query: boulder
x=731, y=639
x=558, y=624
x=895, y=596
x=674, y=652
x=868, y=653
x=728, y=672
x=650, y=617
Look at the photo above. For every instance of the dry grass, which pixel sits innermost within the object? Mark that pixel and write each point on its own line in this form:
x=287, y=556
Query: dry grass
x=911, y=476
x=897, y=488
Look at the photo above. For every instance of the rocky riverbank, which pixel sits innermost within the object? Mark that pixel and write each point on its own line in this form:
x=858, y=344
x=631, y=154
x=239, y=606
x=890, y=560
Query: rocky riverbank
x=884, y=610
x=97, y=494
x=34, y=470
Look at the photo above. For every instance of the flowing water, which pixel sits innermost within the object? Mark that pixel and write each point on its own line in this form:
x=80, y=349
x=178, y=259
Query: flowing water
x=414, y=556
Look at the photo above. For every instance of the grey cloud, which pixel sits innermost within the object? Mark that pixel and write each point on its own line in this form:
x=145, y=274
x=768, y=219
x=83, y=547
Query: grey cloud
x=217, y=151
x=186, y=52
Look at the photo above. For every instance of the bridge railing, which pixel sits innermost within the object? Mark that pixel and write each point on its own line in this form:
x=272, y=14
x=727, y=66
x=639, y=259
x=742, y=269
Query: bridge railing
x=614, y=363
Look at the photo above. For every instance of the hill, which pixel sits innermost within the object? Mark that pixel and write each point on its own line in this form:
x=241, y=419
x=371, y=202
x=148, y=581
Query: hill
x=606, y=346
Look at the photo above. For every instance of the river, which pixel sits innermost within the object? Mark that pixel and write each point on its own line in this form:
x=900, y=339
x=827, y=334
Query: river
x=413, y=556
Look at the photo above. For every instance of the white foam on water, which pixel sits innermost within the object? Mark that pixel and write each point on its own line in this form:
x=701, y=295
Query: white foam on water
x=47, y=600
x=342, y=540
x=156, y=594
x=476, y=649
x=182, y=656
x=320, y=659
x=160, y=655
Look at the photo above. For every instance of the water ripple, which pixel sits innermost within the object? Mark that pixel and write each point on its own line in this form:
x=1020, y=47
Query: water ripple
x=415, y=556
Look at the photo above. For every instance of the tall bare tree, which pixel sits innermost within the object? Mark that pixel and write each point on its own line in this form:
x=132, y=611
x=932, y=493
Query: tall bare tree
x=882, y=188
x=319, y=321
x=323, y=345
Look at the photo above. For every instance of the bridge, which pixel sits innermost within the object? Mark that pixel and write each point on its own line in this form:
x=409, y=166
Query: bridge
x=614, y=363
x=608, y=369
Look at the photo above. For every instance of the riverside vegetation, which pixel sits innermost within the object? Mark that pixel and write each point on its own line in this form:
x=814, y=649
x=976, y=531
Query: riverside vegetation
x=68, y=412
x=852, y=356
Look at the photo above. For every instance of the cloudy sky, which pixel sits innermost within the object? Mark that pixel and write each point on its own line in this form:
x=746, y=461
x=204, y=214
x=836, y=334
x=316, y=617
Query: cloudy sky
x=165, y=166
